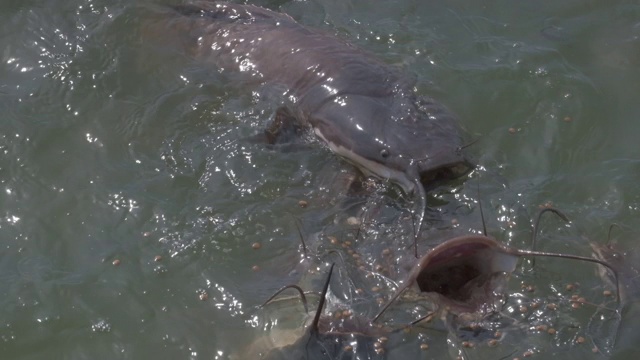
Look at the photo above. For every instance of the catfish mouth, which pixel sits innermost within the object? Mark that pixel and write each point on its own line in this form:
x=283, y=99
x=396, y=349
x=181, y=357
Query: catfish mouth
x=462, y=270
x=466, y=274
x=450, y=281
x=431, y=177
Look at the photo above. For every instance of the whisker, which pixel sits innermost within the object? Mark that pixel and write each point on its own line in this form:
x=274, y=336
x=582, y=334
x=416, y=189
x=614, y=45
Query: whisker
x=304, y=245
x=422, y=208
x=609, y=233
x=469, y=144
x=576, y=257
x=293, y=286
x=534, y=236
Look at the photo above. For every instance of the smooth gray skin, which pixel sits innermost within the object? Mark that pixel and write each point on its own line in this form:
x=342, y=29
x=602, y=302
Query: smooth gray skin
x=364, y=109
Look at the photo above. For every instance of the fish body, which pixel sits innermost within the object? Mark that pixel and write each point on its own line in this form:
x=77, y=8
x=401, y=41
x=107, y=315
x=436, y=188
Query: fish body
x=363, y=109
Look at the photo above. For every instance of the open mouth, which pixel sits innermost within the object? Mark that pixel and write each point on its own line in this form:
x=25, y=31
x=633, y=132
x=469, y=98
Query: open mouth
x=460, y=270
x=445, y=173
x=450, y=280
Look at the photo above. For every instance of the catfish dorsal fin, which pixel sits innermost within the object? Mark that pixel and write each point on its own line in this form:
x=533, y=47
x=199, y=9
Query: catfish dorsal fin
x=323, y=295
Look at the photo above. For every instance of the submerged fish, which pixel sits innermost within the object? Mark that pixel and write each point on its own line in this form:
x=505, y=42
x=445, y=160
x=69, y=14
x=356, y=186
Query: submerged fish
x=319, y=335
x=363, y=109
x=459, y=274
x=459, y=280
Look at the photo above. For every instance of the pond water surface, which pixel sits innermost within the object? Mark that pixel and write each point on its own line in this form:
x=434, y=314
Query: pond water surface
x=131, y=201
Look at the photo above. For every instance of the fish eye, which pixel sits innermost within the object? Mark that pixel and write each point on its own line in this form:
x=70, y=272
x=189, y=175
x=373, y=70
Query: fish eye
x=384, y=153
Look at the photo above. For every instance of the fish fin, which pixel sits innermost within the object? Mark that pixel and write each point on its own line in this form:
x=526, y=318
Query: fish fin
x=323, y=296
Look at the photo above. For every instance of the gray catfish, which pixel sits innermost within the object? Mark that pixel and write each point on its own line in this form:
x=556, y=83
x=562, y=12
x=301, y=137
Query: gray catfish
x=322, y=336
x=363, y=109
x=459, y=273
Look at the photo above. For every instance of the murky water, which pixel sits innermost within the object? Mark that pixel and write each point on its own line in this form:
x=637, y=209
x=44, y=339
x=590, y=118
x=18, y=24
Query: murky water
x=131, y=199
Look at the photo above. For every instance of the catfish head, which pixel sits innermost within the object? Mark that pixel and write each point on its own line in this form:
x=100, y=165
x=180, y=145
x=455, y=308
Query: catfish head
x=412, y=142
x=458, y=275
x=418, y=147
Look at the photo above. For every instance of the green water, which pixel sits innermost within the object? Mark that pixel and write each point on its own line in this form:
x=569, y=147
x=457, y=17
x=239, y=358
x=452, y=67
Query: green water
x=129, y=202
